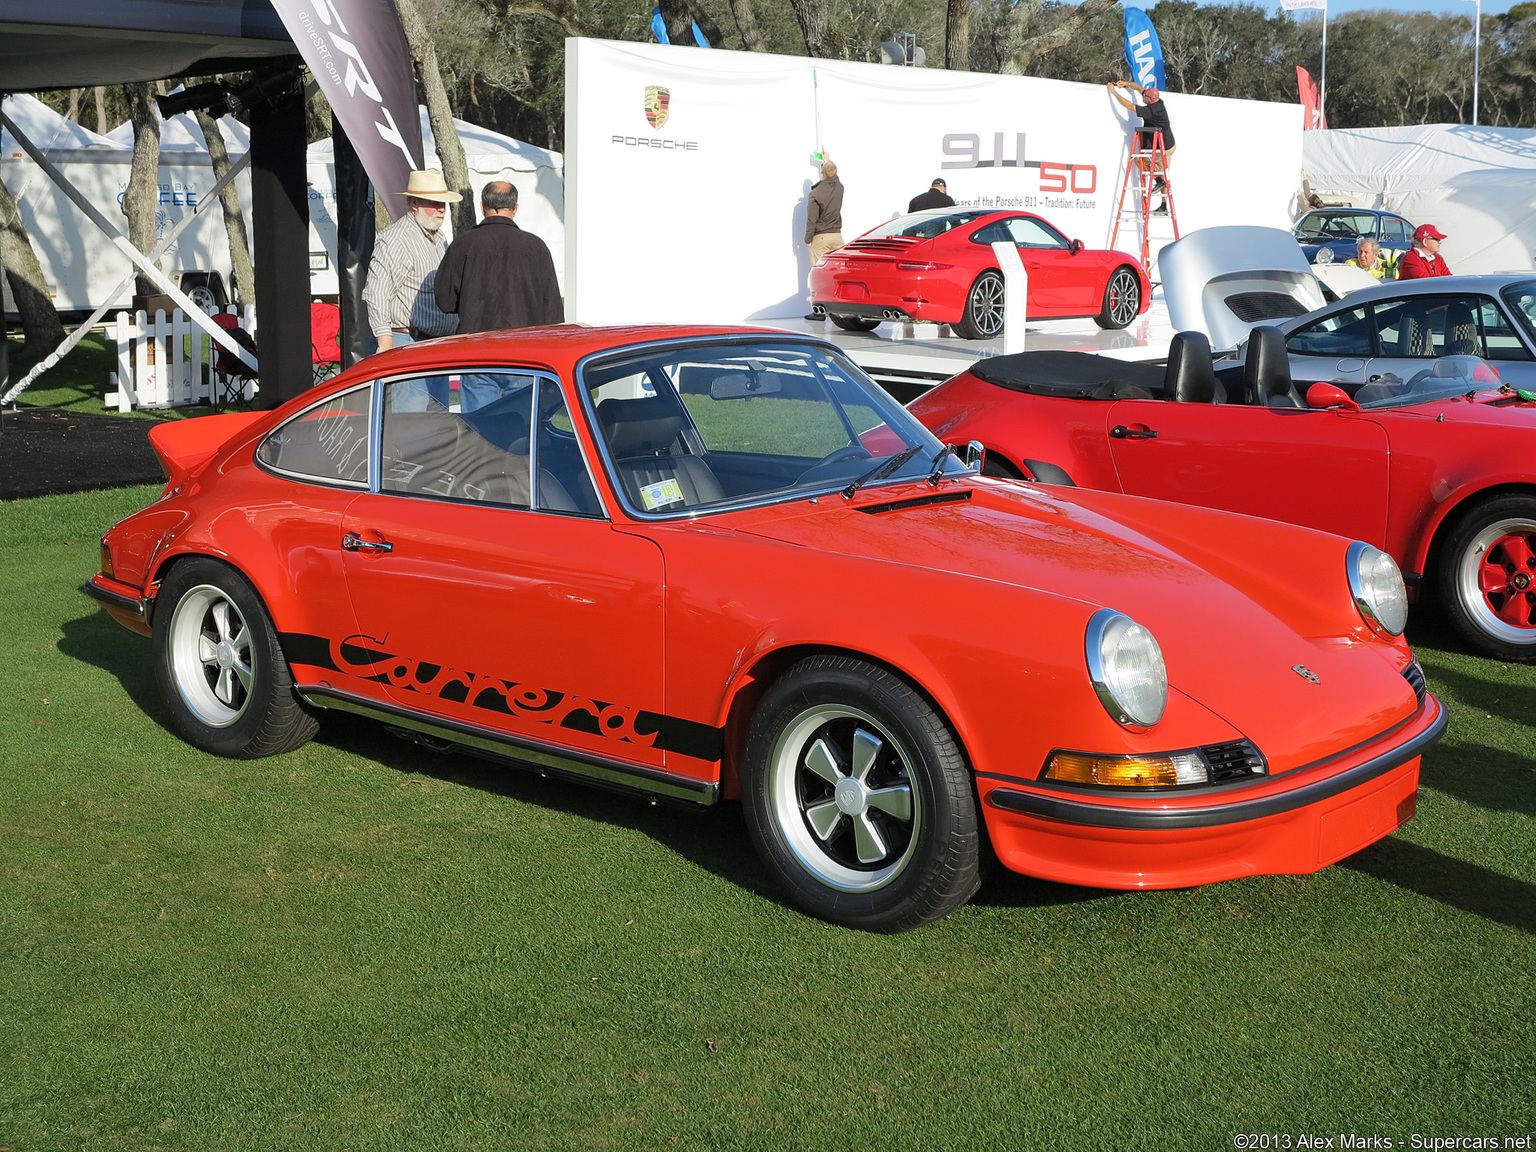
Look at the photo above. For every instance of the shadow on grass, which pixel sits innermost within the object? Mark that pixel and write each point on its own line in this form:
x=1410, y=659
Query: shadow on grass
x=1493, y=697
x=1452, y=882
x=102, y=642
x=1491, y=778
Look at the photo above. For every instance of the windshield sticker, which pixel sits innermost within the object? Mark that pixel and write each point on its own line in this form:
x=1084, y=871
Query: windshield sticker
x=661, y=493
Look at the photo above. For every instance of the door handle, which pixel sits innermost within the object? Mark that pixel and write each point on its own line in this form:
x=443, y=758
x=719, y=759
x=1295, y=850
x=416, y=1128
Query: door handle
x=1121, y=432
x=352, y=542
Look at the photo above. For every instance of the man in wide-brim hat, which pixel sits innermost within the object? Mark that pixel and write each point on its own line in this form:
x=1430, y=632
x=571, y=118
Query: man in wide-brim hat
x=406, y=253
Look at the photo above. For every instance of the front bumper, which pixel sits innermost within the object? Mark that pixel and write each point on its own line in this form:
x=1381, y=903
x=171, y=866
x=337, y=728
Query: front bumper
x=1295, y=823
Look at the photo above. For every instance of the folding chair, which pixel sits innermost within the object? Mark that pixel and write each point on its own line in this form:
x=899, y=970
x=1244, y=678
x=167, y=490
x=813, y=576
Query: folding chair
x=230, y=373
x=324, y=341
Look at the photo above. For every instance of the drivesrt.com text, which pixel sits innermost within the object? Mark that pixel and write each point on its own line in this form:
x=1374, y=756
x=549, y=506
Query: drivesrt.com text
x=1283, y=1140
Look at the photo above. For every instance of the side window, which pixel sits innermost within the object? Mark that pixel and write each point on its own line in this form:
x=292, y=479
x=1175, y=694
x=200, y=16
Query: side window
x=1028, y=233
x=564, y=485
x=1392, y=230
x=991, y=234
x=1500, y=341
x=327, y=443
x=1342, y=334
x=1424, y=326
x=463, y=437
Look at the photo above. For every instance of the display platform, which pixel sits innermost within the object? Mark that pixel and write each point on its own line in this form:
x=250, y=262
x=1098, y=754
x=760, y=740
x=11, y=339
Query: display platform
x=909, y=359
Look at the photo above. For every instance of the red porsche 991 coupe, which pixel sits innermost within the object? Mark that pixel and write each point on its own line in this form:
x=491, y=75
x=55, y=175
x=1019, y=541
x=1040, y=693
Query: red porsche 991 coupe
x=939, y=266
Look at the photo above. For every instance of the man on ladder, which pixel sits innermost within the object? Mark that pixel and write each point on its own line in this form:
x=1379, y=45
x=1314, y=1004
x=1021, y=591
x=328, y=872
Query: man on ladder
x=1154, y=119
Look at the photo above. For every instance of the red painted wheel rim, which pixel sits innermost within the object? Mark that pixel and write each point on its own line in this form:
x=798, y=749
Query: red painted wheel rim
x=1506, y=576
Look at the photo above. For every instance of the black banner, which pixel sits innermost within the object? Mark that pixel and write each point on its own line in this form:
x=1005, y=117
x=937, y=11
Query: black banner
x=358, y=54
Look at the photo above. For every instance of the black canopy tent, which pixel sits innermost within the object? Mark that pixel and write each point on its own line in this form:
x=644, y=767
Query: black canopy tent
x=98, y=42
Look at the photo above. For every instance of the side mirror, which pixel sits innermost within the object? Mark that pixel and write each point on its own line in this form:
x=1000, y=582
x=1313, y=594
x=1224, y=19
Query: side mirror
x=1322, y=395
x=1077, y=246
x=971, y=455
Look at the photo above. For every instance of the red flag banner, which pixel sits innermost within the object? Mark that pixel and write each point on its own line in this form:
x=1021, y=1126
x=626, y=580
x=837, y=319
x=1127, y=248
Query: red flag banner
x=1308, y=91
x=358, y=54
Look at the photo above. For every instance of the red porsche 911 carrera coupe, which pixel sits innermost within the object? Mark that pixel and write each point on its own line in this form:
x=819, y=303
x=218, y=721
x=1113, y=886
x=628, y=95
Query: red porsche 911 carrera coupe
x=704, y=564
x=940, y=266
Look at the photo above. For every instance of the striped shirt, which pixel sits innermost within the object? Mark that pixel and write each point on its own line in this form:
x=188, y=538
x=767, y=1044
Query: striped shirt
x=402, y=257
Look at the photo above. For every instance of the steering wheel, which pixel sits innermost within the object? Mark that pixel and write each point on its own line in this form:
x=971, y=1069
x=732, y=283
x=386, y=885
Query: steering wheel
x=837, y=456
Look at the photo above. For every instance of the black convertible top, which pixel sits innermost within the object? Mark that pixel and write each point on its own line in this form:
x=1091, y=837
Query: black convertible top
x=1073, y=375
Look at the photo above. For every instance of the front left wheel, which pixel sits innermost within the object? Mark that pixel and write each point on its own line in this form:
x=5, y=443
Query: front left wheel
x=1122, y=300
x=858, y=798
x=220, y=671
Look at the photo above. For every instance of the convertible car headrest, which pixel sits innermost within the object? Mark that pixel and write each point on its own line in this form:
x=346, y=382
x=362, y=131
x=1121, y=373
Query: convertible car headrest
x=1191, y=377
x=640, y=427
x=1267, y=366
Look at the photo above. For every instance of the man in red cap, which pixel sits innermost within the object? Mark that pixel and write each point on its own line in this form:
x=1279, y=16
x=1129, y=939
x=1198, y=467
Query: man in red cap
x=1424, y=258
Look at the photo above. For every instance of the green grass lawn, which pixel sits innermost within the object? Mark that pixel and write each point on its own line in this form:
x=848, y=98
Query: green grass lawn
x=362, y=945
x=78, y=382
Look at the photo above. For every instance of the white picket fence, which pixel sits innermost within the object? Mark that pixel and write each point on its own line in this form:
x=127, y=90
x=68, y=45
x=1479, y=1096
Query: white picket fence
x=168, y=362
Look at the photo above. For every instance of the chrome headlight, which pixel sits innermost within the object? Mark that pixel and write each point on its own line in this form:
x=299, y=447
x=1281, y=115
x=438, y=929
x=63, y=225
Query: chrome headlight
x=1127, y=670
x=1324, y=256
x=1377, y=587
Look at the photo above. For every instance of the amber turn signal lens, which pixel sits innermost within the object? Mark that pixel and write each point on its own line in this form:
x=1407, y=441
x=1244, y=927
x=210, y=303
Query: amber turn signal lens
x=106, y=562
x=1127, y=771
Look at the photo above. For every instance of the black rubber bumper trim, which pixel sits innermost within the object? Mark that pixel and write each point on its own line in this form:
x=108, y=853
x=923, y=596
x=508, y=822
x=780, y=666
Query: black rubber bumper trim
x=134, y=604
x=1213, y=816
x=523, y=753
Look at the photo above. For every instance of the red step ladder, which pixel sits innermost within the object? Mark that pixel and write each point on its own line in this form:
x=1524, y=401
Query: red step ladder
x=1143, y=166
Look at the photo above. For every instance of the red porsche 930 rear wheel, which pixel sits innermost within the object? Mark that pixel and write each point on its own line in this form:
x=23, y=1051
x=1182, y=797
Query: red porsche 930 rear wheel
x=1488, y=578
x=219, y=667
x=1122, y=299
x=858, y=799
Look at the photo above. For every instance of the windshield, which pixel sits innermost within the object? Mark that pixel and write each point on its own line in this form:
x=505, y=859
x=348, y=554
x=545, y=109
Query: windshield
x=1448, y=376
x=703, y=425
x=1521, y=299
x=1335, y=226
x=925, y=225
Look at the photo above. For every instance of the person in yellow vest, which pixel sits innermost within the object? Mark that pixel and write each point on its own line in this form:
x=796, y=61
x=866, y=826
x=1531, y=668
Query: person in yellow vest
x=1368, y=258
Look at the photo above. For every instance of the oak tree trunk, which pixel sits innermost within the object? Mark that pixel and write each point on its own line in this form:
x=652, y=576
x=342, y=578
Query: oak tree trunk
x=450, y=150
x=141, y=199
x=39, y=319
x=957, y=36
x=746, y=23
x=244, y=286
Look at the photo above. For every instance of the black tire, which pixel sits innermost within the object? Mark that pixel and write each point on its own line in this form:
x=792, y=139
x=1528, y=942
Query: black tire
x=985, y=308
x=223, y=677
x=856, y=323
x=1122, y=299
x=995, y=464
x=1487, y=578
x=829, y=713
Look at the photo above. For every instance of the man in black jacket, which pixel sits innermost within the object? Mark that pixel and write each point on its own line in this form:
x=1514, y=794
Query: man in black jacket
x=937, y=196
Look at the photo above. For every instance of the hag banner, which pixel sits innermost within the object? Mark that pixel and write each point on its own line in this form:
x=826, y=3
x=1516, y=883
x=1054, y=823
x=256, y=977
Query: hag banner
x=357, y=51
x=1143, y=52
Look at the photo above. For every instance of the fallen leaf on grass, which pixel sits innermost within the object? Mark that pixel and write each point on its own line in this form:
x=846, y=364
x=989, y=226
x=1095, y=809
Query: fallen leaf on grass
x=711, y=1045
x=403, y=783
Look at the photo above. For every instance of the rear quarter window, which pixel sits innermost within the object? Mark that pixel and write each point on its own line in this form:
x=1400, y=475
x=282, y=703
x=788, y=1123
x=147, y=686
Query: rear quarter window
x=327, y=443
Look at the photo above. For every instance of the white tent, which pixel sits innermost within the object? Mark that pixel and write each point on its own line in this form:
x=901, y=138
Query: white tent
x=183, y=134
x=1476, y=184
x=48, y=130
x=538, y=175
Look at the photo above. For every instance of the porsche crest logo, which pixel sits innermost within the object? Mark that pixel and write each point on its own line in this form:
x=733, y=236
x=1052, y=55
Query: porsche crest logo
x=656, y=102
x=1306, y=673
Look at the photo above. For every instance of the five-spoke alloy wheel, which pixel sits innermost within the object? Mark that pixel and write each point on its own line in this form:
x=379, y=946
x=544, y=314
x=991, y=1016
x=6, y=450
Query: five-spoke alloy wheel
x=1122, y=299
x=1488, y=578
x=858, y=799
x=220, y=670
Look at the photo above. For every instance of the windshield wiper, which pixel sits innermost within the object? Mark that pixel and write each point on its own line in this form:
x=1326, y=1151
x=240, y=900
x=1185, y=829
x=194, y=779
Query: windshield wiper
x=881, y=471
x=936, y=465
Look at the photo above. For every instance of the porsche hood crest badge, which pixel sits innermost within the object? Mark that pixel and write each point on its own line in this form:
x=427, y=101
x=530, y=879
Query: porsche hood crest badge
x=1306, y=673
x=656, y=102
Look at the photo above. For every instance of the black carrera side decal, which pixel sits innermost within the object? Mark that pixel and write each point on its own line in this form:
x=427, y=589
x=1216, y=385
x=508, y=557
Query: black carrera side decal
x=363, y=657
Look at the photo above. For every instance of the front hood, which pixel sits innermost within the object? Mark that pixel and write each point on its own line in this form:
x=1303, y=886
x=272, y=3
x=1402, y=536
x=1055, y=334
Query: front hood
x=1232, y=651
x=1224, y=281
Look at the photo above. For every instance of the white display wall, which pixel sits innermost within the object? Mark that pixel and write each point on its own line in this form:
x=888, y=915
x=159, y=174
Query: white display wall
x=702, y=216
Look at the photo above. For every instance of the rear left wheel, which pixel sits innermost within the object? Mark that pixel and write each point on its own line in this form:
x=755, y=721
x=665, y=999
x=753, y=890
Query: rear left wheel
x=219, y=667
x=1488, y=578
x=1122, y=299
x=858, y=799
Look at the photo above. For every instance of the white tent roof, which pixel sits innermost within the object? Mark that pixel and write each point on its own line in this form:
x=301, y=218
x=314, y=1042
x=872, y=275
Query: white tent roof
x=1476, y=184
x=484, y=150
x=48, y=130
x=183, y=134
